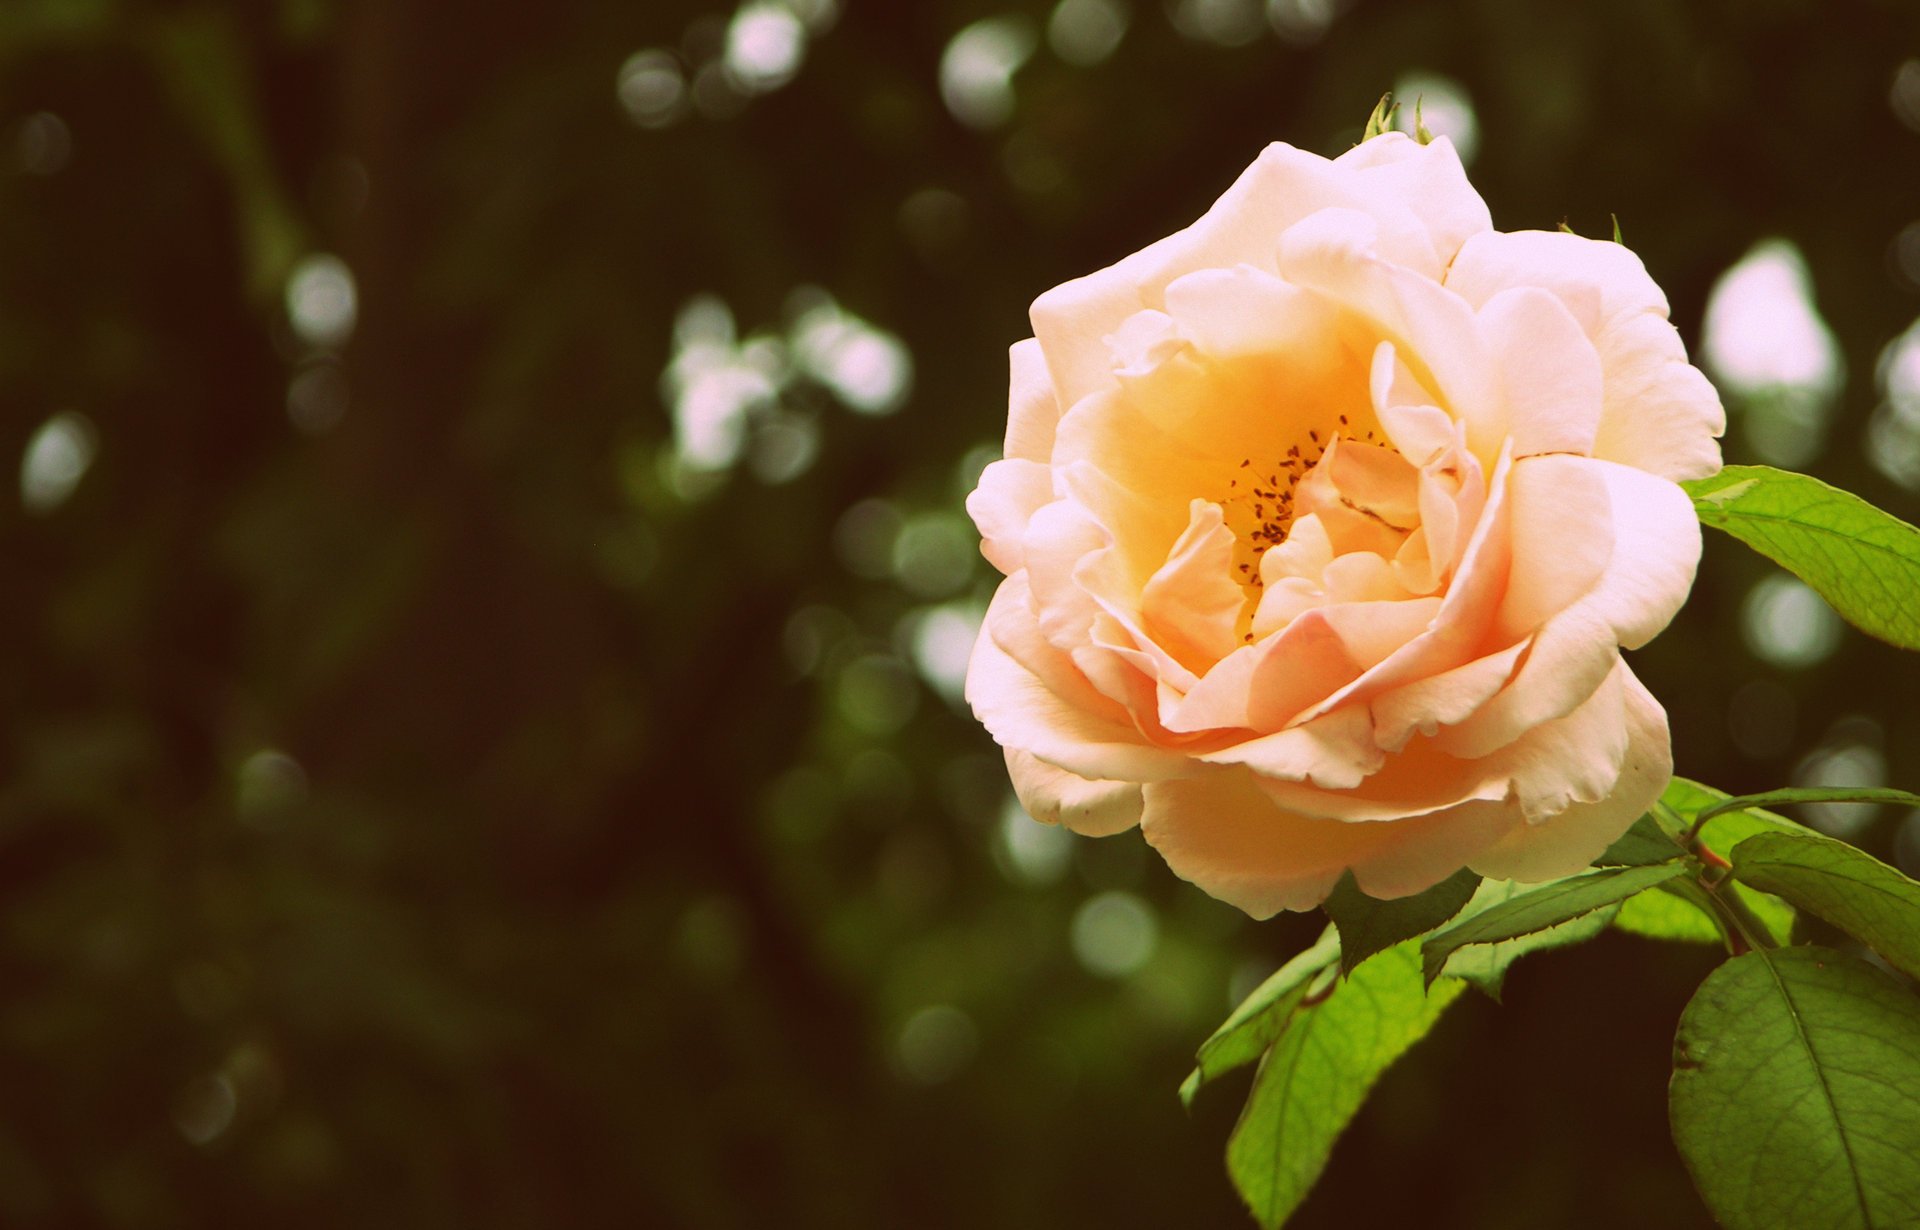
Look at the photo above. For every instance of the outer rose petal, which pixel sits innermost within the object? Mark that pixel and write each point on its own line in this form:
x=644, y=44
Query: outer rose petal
x=1002, y=506
x=1055, y=796
x=1660, y=414
x=1221, y=832
x=1567, y=843
x=1032, y=409
x=1077, y=731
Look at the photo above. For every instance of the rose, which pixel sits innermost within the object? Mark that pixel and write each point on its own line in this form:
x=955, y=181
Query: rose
x=1324, y=522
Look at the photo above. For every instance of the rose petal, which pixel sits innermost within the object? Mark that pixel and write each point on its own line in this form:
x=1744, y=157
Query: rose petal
x=1032, y=409
x=1569, y=842
x=1055, y=796
x=1010, y=492
x=1192, y=604
x=1221, y=832
x=1549, y=369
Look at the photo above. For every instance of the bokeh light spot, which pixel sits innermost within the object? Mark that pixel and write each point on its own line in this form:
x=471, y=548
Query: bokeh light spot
x=1445, y=109
x=1085, y=32
x=1768, y=347
x=1114, y=934
x=977, y=68
x=56, y=458
x=1787, y=624
x=936, y=1044
x=1031, y=852
x=652, y=88
x=766, y=41
x=322, y=301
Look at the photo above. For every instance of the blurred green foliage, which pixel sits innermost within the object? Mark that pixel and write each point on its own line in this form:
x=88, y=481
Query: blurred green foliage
x=429, y=799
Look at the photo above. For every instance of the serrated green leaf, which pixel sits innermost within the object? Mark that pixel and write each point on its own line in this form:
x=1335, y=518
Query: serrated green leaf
x=1368, y=926
x=1540, y=908
x=1848, y=887
x=1643, y=845
x=1261, y=1016
x=1318, y=1073
x=1486, y=965
x=1796, y=1093
x=1864, y=562
x=1662, y=914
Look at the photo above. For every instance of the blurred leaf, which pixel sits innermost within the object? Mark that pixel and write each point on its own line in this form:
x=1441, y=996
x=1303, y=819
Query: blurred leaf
x=1368, y=925
x=1319, y=1071
x=1865, y=562
x=1261, y=1017
x=1796, y=1093
x=1849, y=888
x=1523, y=914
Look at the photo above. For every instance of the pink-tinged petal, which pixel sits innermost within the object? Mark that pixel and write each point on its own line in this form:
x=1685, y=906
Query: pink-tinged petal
x=1032, y=409
x=1566, y=843
x=1434, y=332
x=1010, y=492
x=1563, y=517
x=1595, y=279
x=1335, y=752
x=1264, y=685
x=1055, y=796
x=1450, y=697
x=1221, y=832
x=1069, y=725
x=1659, y=414
x=1371, y=632
x=1549, y=369
x=1192, y=604
x=1656, y=548
x=1569, y=658
x=1662, y=415
x=1460, y=629
x=1417, y=780
x=1574, y=759
x=1073, y=320
x=1059, y=537
x=1432, y=184
x=1244, y=310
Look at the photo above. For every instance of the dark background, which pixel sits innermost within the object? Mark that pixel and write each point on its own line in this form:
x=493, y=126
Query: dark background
x=428, y=797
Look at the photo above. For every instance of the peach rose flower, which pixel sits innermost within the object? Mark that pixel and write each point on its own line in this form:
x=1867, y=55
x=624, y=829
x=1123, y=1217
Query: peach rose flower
x=1324, y=522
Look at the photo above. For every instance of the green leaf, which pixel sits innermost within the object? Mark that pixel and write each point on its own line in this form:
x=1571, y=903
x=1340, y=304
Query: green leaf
x=1663, y=914
x=1848, y=887
x=1261, y=1017
x=1381, y=121
x=1616, y=229
x=1796, y=1093
x=1368, y=925
x=1541, y=908
x=1810, y=794
x=1643, y=845
x=1864, y=562
x=1486, y=965
x=1314, y=1079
